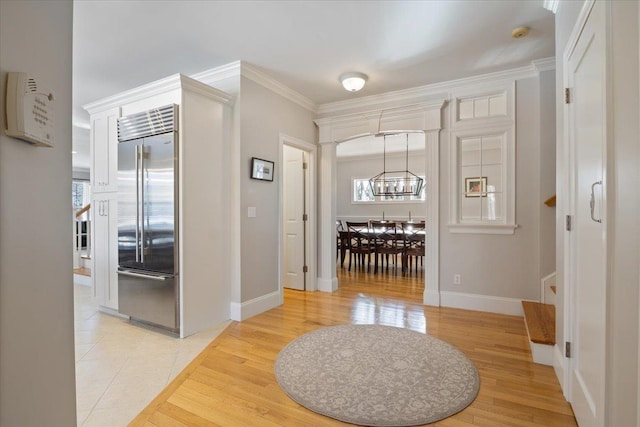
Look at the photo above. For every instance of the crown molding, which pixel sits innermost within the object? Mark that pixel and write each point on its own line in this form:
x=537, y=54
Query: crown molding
x=164, y=85
x=216, y=74
x=411, y=95
x=272, y=84
x=168, y=84
x=241, y=68
x=544, y=64
x=551, y=5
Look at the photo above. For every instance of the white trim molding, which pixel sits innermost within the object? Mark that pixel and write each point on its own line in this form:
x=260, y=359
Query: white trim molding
x=310, y=244
x=560, y=368
x=247, y=309
x=491, y=304
x=328, y=285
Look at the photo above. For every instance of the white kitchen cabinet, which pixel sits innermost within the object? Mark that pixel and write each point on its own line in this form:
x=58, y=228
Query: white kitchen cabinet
x=104, y=150
x=104, y=225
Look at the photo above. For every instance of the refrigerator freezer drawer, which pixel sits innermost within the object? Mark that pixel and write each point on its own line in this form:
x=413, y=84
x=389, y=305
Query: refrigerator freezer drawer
x=149, y=298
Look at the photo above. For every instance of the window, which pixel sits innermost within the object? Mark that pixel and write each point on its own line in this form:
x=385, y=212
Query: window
x=77, y=194
x=80, y=196
x=362, y=193
x=482, y=155
x=483, y=181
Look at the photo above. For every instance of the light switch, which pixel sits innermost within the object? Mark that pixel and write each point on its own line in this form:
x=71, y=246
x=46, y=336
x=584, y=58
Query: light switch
x=251, y=212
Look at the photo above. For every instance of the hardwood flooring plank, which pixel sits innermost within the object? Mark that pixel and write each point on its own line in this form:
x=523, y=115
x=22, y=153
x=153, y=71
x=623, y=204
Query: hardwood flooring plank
x=232, y=382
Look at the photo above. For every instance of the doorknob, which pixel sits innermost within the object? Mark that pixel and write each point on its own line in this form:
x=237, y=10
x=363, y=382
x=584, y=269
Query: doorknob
x=592, y=202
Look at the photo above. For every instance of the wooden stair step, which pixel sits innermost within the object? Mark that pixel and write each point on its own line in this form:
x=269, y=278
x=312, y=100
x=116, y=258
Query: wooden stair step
x=83, y=271
x=553, y=289
x=541, y=322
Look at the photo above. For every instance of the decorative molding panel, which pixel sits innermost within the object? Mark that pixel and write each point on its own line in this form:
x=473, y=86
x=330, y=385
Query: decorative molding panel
x=484, y=105
x=425, y=116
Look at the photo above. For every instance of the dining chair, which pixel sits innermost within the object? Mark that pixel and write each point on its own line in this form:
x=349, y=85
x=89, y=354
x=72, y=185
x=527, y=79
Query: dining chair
x=339, y=246
x=385, y=242
x=359, y=242
x=413, y=244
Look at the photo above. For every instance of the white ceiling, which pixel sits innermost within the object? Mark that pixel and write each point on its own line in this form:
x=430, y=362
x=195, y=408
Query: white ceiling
x=306, y=45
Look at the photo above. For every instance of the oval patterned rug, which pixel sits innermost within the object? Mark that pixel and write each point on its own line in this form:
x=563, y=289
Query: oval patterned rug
x=377, y=375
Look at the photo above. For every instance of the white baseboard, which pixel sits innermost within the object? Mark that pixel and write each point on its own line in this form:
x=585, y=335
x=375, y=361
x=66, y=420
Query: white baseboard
x=477, y=302
x=560, y=368
x=431, y=297
x=80, y=279
x=112, y=312
x=328, y=285
x=247, y=309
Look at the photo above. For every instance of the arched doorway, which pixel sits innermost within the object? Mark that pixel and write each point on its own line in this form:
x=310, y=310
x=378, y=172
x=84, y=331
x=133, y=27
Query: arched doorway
x=425, y=117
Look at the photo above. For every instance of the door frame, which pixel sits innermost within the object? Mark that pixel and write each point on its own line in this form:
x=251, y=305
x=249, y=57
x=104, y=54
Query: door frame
x=311, y=208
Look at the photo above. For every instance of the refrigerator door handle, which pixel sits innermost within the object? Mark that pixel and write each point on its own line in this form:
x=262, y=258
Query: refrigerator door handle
x=137, y=207
x=142, y=201
x=144, y=276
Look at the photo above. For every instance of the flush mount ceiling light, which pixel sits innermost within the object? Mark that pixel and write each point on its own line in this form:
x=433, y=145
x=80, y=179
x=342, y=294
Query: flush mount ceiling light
x=520, y=32
x=353, y=81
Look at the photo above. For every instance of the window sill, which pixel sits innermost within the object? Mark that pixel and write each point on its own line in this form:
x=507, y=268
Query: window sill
x=483, y=228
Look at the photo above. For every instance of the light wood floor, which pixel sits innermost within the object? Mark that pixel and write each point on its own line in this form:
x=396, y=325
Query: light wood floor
x=231, y=383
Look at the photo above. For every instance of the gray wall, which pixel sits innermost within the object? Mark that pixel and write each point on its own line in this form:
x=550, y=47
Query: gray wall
x=501, y=265
x=547, y=172
x=354, y=167
x=264, y=115
x=37, y=386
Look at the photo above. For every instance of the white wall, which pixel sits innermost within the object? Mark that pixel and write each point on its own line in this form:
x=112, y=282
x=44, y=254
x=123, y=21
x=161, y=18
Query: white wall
x=37, y=386
x=354, y=167
x=264, y=115
x=505, y=266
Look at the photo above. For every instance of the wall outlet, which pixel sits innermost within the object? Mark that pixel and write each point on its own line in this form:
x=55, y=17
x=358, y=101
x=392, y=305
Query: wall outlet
x=457, y=280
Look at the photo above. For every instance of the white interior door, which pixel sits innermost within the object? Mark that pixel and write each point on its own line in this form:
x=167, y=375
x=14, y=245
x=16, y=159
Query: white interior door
x=587, y=136
x=294, y=224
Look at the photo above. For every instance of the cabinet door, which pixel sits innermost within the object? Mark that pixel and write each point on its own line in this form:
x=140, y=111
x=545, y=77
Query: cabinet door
x=104, y=150
x=105, y=250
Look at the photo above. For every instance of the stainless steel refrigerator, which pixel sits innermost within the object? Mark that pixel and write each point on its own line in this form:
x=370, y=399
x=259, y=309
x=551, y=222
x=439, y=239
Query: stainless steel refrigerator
x=148, y=288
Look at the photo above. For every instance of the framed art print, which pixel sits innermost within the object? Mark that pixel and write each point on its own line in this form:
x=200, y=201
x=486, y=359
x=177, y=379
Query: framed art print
x=261, y=169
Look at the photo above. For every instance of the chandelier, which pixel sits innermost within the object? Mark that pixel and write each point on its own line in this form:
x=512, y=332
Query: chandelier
x=396, y=183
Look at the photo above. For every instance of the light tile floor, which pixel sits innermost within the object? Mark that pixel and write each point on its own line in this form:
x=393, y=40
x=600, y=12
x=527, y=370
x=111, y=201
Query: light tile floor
x=121, y=367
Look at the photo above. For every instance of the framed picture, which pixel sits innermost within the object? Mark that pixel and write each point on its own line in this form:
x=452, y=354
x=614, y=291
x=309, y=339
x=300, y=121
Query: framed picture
x=475, y=187
x=261, y=169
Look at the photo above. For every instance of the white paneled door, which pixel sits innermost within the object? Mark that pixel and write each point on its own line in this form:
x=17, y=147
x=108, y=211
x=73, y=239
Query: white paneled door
x=294, y=212
x=585, y=78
